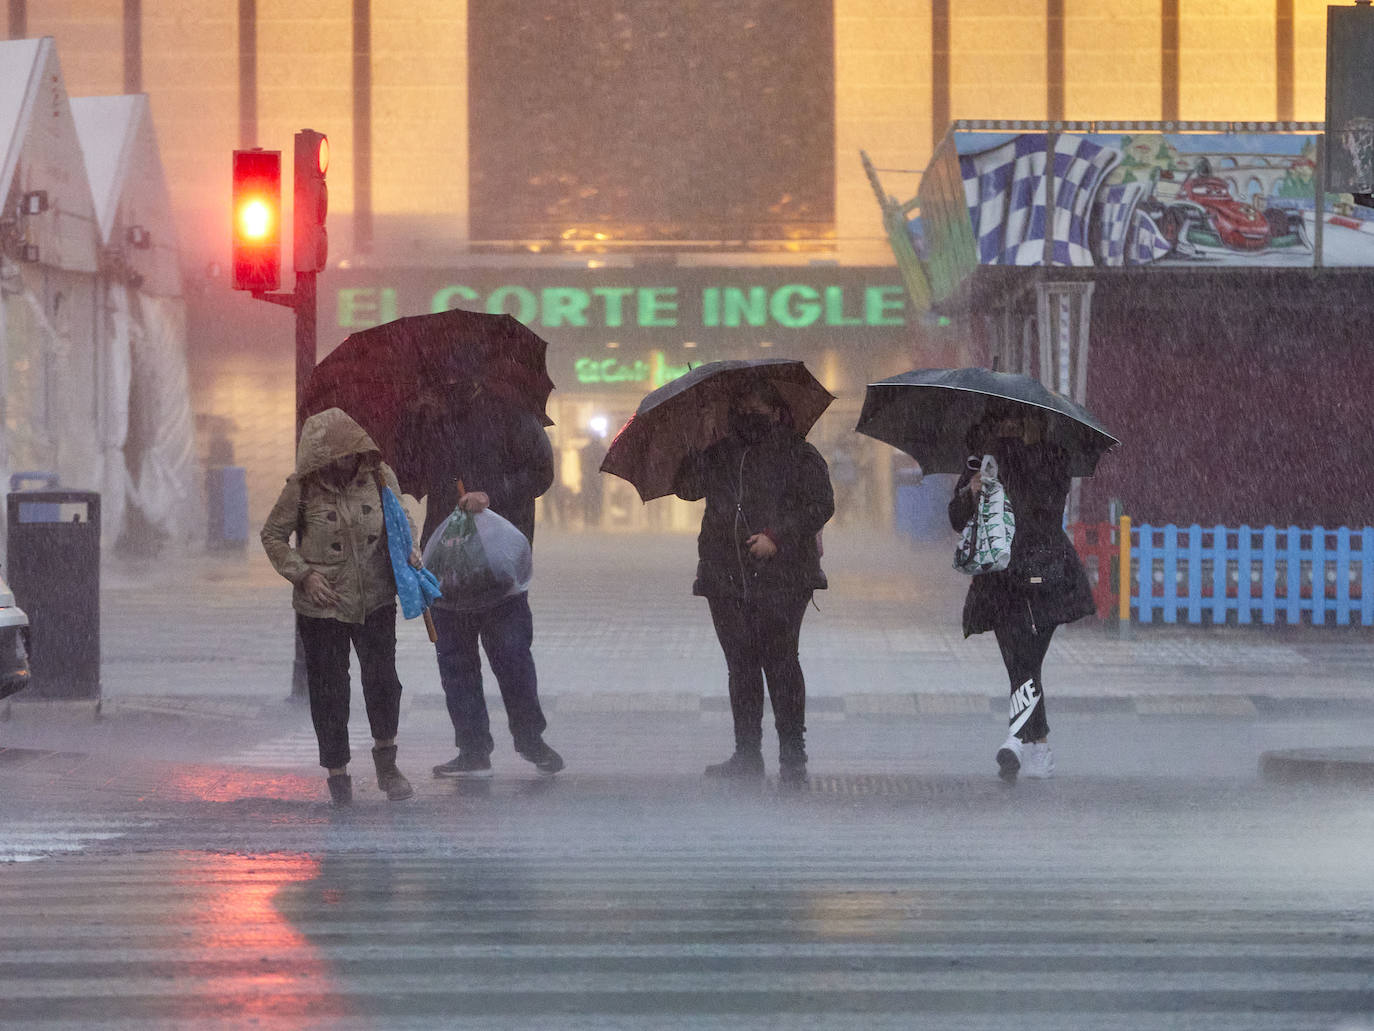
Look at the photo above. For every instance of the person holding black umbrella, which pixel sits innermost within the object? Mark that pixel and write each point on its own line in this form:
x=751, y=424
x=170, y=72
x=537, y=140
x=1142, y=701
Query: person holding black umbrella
x=467, y=447
x=768, y=495
x=1045, y=583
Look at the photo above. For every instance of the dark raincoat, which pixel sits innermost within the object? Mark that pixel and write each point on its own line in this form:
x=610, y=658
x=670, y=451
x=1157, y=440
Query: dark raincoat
x=1045, y=577
x=779, y=487
x=492, y=447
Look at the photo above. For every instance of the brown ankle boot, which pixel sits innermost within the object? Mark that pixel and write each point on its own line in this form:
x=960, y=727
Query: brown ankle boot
x=340, y=788
x=390, y=779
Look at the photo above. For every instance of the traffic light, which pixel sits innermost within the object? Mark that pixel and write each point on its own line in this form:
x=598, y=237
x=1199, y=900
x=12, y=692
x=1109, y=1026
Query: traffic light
x=311, y=241
x=256, y=251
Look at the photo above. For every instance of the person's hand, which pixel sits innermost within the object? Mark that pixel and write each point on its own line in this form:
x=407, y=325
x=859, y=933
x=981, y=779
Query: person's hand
x=474, y=501
x=318, y=590
x=761, y=546
x=415, y=560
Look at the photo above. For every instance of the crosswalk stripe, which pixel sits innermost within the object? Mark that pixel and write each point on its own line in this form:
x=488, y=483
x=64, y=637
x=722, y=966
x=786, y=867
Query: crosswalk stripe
x=23, y=841
x=683, y=938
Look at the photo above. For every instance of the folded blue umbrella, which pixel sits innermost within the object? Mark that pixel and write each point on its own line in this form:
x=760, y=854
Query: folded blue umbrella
x=417, y=589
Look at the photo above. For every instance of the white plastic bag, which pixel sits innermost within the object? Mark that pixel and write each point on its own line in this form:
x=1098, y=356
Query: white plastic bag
x=479, y=560
x=985, y=544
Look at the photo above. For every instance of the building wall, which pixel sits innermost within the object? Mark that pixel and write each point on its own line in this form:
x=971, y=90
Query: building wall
x=884, y=96
x=1111, y=60
x=883, y=106
x=1177, y=357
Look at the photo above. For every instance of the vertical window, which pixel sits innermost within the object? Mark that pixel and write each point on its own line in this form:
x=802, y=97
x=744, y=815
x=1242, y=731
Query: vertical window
x=651, y=120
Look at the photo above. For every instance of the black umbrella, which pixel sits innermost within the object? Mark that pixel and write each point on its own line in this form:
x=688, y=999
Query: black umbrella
x=376, y=374
x=690, y=414
x=927, y=413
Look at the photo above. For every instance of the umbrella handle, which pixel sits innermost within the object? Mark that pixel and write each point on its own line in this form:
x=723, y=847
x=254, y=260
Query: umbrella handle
x=429, y=628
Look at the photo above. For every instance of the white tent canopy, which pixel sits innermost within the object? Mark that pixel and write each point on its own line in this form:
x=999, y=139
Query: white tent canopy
x=41, y=153
x=146, y=424
x=92, y=323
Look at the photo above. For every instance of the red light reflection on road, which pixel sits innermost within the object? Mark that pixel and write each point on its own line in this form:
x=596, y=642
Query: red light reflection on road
x=268, y=965
x=231, y=784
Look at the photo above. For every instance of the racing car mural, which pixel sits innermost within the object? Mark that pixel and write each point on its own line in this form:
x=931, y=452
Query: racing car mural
x=1200, y=214
x=1152, y=198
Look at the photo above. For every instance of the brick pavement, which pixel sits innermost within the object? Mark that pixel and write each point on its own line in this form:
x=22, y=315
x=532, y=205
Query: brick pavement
x=617, y=630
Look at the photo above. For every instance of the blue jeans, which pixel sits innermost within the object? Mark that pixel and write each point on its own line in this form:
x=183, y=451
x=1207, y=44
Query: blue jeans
x=506, y=632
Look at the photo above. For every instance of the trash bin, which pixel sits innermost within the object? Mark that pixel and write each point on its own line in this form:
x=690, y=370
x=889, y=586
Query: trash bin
x=48, y=481
x=226, y=493
x=54, y=571
x=922, y=505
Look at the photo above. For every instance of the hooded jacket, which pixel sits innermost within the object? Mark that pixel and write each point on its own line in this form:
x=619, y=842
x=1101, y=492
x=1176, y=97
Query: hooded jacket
x=779, y=487
x=1045, y=578
x=343, y=538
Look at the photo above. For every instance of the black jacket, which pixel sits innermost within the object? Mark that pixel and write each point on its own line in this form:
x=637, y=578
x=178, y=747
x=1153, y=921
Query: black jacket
x=779, y=486
x=496, y=448
x=1045, y=578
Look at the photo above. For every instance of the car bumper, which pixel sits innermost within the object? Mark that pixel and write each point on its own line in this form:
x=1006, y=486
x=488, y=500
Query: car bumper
x=14, y=660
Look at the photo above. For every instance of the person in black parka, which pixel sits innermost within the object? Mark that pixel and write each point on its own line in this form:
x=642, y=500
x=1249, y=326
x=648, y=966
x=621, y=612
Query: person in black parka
x=767, y=497
x=1045, y=584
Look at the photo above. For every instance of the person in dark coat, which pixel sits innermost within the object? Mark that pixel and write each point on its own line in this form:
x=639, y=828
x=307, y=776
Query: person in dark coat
x=767, y=496
x=504, y=461
x=1044, y=585
x=590, y=457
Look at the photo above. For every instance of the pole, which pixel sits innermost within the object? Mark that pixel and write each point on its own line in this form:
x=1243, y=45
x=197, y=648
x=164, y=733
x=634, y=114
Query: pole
x=305, y=306
x=1123, y=579
x=306, y=312
x=303, y=301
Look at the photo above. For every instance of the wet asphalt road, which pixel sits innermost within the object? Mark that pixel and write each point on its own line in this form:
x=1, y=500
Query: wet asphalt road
x=1158, y=882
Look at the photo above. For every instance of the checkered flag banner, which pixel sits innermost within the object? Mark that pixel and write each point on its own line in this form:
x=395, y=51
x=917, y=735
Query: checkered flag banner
x=1005, y=188
x=1147, y=242
x=1115, y=219
x=1123, y=234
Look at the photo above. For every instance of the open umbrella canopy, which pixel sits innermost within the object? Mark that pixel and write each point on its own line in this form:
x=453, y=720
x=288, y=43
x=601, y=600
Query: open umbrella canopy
x=690, y=414
x=927, y=413
x=376, y=373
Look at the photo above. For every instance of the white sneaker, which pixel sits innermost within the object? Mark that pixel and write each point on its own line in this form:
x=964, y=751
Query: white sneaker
x=1039, y=761
x=1009, y=758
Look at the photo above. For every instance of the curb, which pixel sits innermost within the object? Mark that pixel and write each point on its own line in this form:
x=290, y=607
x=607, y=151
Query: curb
x=908, y=706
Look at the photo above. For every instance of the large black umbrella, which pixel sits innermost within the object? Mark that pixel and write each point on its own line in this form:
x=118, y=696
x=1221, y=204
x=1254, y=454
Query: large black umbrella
x=376, y=374
x=690, y=414
x=927, y=413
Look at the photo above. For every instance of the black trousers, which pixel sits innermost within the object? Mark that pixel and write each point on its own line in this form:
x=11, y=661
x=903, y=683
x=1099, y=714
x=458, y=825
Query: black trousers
x=326, y=643
x=1023, y=652
x=759, y=638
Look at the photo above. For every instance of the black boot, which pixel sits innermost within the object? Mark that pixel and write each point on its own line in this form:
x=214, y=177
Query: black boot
x=745, y=764
x=390, y=779
x=791, y=762
x=340, y=788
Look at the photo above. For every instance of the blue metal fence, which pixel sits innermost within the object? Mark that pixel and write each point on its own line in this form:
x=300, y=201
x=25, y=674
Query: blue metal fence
x=1199, y=574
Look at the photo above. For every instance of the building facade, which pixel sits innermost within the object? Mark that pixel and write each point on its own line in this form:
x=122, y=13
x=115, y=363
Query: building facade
x=600, y=146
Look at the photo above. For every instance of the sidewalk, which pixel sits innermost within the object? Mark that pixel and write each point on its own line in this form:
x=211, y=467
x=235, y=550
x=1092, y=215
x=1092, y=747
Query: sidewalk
x=617, y=630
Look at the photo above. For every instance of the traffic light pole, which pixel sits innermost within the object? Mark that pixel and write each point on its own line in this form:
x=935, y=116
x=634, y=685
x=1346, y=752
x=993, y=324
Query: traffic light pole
x=303, y=300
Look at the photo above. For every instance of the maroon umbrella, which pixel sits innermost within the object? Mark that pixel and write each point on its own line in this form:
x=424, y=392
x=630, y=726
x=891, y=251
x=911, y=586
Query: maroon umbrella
x=376, y=374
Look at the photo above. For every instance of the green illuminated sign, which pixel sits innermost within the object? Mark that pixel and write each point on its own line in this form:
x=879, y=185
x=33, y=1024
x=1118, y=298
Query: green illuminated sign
x=656, y=372
x=779, y=307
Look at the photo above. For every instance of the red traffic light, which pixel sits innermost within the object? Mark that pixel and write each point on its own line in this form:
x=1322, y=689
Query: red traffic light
x=256, y=237
x=310, y=240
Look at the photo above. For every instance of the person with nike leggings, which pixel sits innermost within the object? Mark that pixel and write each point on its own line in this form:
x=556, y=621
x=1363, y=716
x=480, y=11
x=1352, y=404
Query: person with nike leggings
x=1044, y=586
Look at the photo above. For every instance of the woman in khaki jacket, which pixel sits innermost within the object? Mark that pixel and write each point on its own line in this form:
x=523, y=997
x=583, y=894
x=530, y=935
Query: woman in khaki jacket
x=345, y=591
